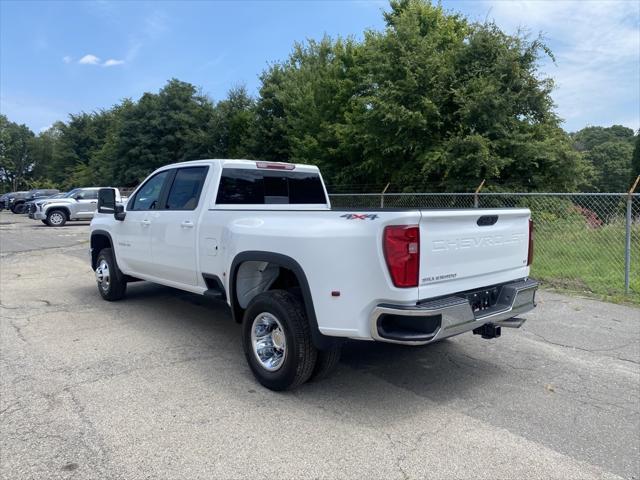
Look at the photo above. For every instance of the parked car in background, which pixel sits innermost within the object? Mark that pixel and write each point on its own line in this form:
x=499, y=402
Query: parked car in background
x=30, y=207
x=20, y=202
x=33, y=195
x=3, y=197
x=12, y=198
x=78, y=204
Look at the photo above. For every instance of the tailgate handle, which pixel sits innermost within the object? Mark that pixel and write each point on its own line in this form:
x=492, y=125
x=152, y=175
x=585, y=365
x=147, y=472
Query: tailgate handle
x=487, y=220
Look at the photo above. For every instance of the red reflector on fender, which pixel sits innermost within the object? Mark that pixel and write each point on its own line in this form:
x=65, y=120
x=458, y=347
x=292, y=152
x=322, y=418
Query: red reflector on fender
x=401, y=246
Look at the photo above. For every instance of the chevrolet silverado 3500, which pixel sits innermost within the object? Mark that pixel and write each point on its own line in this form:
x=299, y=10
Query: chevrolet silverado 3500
x=301, y=277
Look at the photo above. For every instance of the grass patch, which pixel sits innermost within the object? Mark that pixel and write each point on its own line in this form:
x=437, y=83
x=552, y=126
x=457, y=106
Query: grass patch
x=573, y=256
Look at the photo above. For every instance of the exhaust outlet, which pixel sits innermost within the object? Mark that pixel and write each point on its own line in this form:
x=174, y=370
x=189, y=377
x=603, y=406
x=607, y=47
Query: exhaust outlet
x=511, y=322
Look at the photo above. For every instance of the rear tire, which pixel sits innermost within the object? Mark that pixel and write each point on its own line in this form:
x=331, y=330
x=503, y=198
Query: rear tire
x=277, y=340
x=111, y=281
x=56, y=218
x=326, y=363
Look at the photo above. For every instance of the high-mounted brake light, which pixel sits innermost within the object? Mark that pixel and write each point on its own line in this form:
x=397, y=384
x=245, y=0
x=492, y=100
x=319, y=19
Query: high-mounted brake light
x=401, y=246
x=276, y=165
x=530, y=254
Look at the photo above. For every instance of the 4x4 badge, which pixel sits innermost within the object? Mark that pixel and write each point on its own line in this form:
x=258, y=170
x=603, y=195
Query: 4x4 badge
x=359, y=216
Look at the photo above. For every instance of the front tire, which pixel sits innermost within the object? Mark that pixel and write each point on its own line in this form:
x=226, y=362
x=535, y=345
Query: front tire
x=18, y=208
x=56, y=218
x=111, y=281
x=277, y=340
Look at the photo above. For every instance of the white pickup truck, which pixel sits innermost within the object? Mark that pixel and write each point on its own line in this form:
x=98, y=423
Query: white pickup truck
x=301, y=277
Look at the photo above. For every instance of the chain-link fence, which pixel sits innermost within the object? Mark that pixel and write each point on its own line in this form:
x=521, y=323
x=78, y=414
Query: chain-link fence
x=588, y=242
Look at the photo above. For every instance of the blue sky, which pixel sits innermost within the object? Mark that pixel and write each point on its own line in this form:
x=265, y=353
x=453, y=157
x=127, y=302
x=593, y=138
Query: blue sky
x=65, y=57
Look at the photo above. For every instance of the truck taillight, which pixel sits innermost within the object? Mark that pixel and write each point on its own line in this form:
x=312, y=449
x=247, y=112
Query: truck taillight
x=530, y=254
x=402, y=252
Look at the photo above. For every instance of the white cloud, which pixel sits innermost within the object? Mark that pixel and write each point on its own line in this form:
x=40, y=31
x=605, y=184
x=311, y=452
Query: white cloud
x=112, y=63
x=67, y=59
x=597, y=50
x=89, y=60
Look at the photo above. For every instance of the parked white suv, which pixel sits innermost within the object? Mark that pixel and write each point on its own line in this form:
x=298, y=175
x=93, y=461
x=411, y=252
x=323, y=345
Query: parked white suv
x=78, y=204
x=302, y=277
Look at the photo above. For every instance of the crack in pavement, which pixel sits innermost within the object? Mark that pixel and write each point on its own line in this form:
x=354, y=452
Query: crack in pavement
x=589, y=350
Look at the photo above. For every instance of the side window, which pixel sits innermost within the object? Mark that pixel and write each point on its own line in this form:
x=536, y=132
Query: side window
x=186, y=188
x=149, y=194
x=90, y=194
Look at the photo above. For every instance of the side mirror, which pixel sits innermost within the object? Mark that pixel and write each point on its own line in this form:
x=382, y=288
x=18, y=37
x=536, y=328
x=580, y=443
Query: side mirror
x=119, y=212
x=106, y=200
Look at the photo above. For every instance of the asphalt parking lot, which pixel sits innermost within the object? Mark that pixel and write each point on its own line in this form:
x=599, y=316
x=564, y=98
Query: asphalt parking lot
x=156, y=386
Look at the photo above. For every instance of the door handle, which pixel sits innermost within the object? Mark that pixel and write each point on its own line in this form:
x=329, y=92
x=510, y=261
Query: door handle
x=187, y=224
x=145, y=223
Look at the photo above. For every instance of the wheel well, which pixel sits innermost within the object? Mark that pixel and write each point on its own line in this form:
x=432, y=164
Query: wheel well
x=98, y=242
x=254, y=277
x=284, y=273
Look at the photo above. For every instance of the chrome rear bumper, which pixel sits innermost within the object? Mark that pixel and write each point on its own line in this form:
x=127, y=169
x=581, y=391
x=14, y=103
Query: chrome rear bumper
x=434, y=320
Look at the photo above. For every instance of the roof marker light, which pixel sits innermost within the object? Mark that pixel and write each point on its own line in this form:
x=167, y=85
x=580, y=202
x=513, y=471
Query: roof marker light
x=276, y=165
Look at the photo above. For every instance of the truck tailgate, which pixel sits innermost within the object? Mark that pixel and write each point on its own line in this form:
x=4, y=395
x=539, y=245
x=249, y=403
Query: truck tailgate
x=466, y=249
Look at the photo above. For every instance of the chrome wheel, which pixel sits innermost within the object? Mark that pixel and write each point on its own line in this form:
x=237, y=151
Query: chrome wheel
x=269, y=341
x=102, y=275
x=56, y=218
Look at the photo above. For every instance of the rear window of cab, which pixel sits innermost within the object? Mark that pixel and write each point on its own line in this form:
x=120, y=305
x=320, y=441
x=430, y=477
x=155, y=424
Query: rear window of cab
x=239, y=186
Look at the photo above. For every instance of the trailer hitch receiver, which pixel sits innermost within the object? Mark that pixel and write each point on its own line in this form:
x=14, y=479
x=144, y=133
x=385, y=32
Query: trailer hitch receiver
x=488, y=331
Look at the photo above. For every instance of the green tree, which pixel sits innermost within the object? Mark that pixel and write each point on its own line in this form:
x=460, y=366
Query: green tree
x=102, y=164
x=160, y=129
x=16, y=160
x=431, y=99
x=231, y=125
x=609, y=152
x=76, y=142
x=589, y=137
x=635, y=160
x=42, y=148
x=304, y=107
x=612, y=163
x=270, y=129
